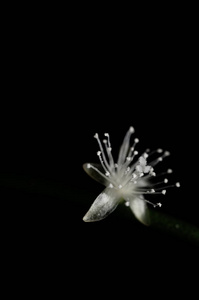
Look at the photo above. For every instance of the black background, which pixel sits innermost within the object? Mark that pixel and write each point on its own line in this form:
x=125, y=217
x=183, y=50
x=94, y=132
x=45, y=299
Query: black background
x=60, y=86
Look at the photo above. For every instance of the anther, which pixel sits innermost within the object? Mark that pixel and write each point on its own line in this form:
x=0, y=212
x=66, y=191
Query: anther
x=159, y=150
x=169, y=171
x=165, y=180
x=178, y=184
x=164, y=192
x=136, y=140
x=167, y=153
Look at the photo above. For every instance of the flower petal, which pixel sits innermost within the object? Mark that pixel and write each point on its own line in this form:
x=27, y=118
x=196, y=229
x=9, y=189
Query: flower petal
x=125, y=146
x=103, y=205
x=99, y=175
x=140, y=210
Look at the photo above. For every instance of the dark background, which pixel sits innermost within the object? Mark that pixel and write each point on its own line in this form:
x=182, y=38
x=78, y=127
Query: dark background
x=59, y=87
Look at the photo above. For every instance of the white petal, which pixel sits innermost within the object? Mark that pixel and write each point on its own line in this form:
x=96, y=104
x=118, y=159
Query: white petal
x=103, y=205
x=125, y=146
x=96, y=175
x=140, y=210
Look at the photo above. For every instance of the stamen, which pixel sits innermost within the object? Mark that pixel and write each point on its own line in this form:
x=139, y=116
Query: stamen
x=102, y=151
x=101, y=161
x=108, y=137
x=136, y=140
x=154, y=205
x=108, y=151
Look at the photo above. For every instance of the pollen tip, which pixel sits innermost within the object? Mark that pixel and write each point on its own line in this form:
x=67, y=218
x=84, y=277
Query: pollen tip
x=136, y=140
x=167, y=153
x=178, y=184
x=96, y=135
x=169, y=171
x=163, y=192
x=159, y=150
x=131, y=129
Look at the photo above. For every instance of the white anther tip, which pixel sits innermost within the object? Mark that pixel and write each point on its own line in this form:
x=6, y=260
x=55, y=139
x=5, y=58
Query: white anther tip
x=96, y=135
x=165, y=180
x=164, y=192
x=88, y=166
x=169, y=171
x=98, y=153
x=159, y=150
x=136, y=140
x=131, y=129
x=178, y=184
x=167, y=153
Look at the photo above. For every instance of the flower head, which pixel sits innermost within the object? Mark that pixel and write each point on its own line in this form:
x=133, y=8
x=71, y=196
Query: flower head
x=127, y=180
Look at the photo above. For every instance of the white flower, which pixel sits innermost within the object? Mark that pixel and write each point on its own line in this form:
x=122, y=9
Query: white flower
x=127, y=180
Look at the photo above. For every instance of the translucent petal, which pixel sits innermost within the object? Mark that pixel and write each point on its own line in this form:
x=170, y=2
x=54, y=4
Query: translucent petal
x=103, y=205
x=96, y=175
x=125, y=146
x=140, y=210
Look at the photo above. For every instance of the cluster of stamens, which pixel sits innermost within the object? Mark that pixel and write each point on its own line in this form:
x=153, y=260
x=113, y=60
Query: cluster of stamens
x=129, y=175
